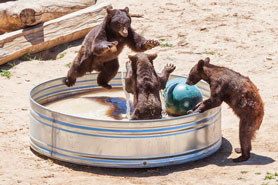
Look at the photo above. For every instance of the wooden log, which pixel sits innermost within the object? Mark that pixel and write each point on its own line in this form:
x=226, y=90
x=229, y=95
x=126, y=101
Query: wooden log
x=3, y=1
x=19, y=14
x=47, y=35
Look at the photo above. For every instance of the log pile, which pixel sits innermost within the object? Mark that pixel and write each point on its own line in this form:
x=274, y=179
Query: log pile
x=49, y=34
x=22, y=13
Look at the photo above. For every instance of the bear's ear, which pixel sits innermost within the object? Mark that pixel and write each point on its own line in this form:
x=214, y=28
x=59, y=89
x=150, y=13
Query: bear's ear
x=152, y=56
x=207, y=60
x=200, y=65
x=110, y=11
x=126, y=9
x=133, y=58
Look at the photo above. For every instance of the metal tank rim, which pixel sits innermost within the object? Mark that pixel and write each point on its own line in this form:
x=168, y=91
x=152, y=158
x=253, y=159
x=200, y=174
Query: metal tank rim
x=50, y=146
x=133, y=121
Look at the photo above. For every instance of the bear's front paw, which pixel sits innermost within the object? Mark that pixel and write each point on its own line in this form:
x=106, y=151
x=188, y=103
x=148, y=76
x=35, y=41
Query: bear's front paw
x=170, y=68
x=69, y=82
x=197, y=108
x=149, y=44
x=110, y=47
x=112, y=44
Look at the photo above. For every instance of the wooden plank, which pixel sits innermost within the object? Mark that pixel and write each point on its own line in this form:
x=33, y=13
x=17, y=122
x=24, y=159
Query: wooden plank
x=19, y=14
x=47, y=35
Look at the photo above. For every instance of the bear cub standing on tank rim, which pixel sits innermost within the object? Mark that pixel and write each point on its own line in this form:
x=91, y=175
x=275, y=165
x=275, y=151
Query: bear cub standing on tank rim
x=102, y=45
x=144, y=83
x=238, y=92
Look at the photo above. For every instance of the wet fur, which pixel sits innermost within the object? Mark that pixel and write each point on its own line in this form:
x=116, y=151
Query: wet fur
x=102, y=45
x=144, y=83
x=238, y=92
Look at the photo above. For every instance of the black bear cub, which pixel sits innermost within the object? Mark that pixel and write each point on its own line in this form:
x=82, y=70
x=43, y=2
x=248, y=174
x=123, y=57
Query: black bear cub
x=238, y=92
x=144, y=83
x=102, y=45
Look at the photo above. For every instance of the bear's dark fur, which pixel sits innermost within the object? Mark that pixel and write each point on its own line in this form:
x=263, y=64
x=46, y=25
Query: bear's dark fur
x=238, y=92
x=102, y=45
x=143, y=82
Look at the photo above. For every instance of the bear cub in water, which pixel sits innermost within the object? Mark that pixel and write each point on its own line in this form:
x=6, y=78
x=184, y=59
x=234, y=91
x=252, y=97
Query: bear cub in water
x=238, y=92
x=144, y=83
x=102, y=45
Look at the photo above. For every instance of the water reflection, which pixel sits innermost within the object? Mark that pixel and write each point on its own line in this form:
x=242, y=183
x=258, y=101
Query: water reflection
x=117, y=106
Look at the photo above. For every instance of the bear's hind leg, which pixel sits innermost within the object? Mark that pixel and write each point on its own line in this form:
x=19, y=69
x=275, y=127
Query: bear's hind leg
x=107, y=72
x=246, y=132
x=78, y=69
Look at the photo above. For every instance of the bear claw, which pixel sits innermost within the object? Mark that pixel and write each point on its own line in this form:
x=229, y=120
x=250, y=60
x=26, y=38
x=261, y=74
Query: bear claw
x=68, y=82
x=110, y=46
x=149, y=44
x=170, y=68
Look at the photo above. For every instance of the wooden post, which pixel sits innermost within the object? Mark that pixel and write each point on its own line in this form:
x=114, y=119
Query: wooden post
x=47, y=35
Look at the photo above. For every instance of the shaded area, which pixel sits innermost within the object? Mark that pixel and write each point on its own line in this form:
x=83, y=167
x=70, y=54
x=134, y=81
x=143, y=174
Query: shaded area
x=52, y=53
x=34, y=37
x=220, y=158
x=49, y=54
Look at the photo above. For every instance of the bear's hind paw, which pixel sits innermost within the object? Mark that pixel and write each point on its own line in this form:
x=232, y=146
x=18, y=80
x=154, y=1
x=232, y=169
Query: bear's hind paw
x=240, y=159
x=106, y=86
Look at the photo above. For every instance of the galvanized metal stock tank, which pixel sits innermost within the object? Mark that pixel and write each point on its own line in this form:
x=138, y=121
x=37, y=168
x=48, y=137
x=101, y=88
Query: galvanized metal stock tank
x=121, y=144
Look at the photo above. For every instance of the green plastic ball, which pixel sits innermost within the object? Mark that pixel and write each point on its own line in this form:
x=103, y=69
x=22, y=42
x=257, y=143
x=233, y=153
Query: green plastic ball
x=180, y=97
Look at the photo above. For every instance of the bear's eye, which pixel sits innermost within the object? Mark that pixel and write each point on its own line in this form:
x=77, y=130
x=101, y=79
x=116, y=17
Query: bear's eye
x=118, y=24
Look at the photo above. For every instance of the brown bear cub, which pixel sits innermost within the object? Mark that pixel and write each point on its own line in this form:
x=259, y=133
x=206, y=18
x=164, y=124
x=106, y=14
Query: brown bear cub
x=238, y=92
x=102, y=45
x=143, y=82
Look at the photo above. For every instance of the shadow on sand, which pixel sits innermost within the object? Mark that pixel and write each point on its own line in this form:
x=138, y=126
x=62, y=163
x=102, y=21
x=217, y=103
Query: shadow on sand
x=220, y=158
x=49, y=54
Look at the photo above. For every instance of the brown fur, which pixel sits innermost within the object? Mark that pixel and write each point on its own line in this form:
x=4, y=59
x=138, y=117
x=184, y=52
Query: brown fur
x=143, y=82
x=102, y=45
x=238, y=92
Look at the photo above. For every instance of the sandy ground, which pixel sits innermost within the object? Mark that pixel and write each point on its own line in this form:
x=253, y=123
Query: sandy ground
x=240, y=34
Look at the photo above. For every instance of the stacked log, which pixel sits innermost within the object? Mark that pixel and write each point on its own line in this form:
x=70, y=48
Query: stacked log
x=49, y=34
x=22, y=13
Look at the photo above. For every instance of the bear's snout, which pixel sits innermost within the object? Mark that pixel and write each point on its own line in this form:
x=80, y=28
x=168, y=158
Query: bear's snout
x=189, y=82
x=124, y=32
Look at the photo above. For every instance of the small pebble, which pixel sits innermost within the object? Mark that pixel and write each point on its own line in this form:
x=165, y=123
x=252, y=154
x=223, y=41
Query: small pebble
x=203, y=28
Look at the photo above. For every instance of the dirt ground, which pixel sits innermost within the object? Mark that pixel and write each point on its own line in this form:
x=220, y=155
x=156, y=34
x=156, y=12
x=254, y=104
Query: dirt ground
x=239, y=34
